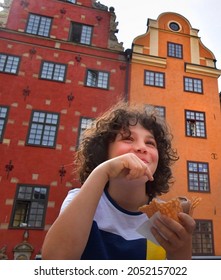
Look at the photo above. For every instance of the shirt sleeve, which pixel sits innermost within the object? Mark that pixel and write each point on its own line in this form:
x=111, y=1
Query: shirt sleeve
x=71, y=194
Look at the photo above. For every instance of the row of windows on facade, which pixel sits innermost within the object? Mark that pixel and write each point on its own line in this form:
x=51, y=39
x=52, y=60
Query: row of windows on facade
x=31, y=204
x=81, y=33
x=43, y=131
x=54, y=71
x=44, y=125
x=41, y=26
x=100, y=79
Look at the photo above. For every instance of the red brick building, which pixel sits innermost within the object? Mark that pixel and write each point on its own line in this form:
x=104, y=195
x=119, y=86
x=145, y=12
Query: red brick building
x=61, y=65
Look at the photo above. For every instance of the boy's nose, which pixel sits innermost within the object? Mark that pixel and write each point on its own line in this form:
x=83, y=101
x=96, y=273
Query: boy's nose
x=141, y=148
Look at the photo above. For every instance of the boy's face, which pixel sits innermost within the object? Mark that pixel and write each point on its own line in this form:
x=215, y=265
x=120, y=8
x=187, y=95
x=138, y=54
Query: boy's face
x=141, y=142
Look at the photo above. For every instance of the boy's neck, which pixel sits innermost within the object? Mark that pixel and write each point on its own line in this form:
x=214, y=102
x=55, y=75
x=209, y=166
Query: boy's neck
x=128, y=194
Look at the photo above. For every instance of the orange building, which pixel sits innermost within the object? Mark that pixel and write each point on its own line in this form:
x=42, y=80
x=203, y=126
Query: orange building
x=174, y=72
x=61, y=65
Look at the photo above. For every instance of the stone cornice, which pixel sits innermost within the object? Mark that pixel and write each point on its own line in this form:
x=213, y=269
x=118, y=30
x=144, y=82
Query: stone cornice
x=149, y=60
x=202, y=70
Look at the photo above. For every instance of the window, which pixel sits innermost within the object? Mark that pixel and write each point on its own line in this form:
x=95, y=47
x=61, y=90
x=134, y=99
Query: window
x=29, y=207
x=193, y=85
x=84, y=124
x=198, y=176
x=195, y=124
x=203, y=238
x=43, y=129
x=39, y=25
x=174, y=26
x=97, y=79
x=174, y=50
x=155, y=79
x=80, y=33
x=159, y=110
x=9, y=63
x=53, y=71
x=69, y=1
x=3, y=119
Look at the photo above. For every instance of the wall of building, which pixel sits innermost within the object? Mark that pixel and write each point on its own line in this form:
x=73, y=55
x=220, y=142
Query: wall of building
x=26, y=91
x=150, y=53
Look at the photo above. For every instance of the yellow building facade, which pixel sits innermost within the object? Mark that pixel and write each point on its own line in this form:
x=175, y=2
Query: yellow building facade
x=174, y=72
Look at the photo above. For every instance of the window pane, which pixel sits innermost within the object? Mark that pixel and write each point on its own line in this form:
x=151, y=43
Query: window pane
x=3, y=117
x=84, y=124
x=92, y=78
x=102, y=80
x=2, y=61
x=86, y=35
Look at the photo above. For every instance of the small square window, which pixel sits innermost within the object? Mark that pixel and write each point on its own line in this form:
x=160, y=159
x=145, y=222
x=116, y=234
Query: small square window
x=39, y=25
x=174, y=50
x=80, y=33
x=29, y=208
x=202, y=242
x=97, y=79
x=9, y=63
x=195, y=124
x=159, y=110
x=193, y=85
x=43, y=129
x=53, y=71
x=156, y=79
x=198, y=176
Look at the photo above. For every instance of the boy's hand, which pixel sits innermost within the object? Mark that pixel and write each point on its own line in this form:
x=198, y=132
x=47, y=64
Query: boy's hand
x=127, y=165
x=174, y=237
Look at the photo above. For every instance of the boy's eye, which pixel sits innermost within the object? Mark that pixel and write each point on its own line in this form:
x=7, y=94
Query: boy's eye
x=127, y=138
x=151, y=143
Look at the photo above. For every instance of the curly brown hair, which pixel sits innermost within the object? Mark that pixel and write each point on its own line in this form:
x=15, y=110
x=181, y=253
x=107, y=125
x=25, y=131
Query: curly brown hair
x=93, y=149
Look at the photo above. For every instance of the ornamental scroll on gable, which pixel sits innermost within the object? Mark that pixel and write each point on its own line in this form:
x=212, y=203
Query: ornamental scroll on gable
x=113, y=43
x=4, y=11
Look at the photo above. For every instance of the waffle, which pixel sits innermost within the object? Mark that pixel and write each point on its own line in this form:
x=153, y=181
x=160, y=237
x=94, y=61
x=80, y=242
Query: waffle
x=171, y=208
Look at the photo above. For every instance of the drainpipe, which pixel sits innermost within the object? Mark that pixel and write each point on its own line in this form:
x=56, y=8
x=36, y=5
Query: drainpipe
x=128, y=54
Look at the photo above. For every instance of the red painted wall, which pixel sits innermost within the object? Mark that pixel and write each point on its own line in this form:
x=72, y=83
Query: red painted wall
x=50, y=96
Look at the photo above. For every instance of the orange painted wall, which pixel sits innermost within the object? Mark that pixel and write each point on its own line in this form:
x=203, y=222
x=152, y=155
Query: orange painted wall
x=176, y=100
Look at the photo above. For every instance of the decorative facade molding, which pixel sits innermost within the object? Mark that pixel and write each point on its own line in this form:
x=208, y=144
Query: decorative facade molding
x=113, y=41
x=5, y=12
x=202, y=70
x=149, y=60
x=98, y=5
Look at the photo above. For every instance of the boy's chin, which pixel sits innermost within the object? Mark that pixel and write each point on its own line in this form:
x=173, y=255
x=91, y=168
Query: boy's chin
x=141, y=180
